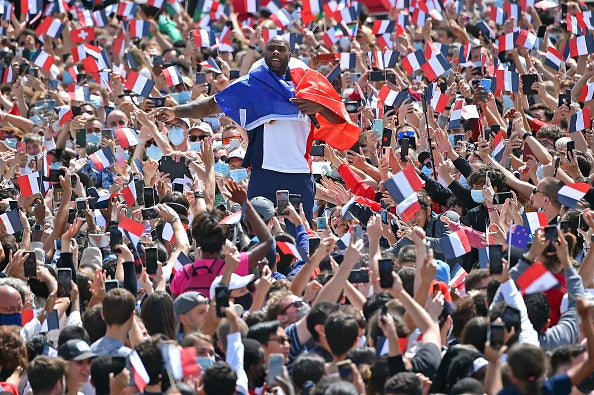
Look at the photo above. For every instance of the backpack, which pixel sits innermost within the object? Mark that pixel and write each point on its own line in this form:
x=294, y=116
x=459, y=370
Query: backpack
x=201, y=276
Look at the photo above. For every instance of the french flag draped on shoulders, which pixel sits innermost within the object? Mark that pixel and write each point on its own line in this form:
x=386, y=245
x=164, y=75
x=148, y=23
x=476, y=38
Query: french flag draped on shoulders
x=571, y=194
x=261, y=96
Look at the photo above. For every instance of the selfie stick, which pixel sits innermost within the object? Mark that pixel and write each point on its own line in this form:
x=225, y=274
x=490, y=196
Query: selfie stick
x=424, y=98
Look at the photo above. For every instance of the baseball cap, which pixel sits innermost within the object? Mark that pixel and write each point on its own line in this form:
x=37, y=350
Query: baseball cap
x=187, y=301
x=202, y=126
x=264, y=207
x=236, y=153
x=76, y=350
x=92, y=258
x=236, y=282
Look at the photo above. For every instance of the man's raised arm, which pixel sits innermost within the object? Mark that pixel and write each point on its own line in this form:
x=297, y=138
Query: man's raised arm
x=199, y=108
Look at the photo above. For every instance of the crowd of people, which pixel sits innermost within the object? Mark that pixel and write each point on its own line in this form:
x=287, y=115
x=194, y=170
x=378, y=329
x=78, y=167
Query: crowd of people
x=299, y=197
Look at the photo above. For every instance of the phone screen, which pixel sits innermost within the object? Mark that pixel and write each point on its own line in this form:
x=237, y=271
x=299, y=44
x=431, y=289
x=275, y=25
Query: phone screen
x=404, y=143
x=495, y=263
x=496, y=332
x=570, y=147
x=149, y=197
x=200, y=78
x=111, y=284
x=314, y=243
x=357, y=233
x=221, y=299
x=115, y=237
x=385, y=273
x=322, y=222
x=150, y=254
x=64, y=278
x=282, y=202
x=81, y=138
x=149, y=213
x=30, y=266
x=550, y=233
x=275, y=367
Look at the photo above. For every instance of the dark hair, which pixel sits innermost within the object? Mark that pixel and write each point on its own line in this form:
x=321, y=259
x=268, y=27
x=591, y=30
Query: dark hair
x=479, y=177
x=13, y=351
x=101, y=367
x=157, y=314
x=207, y=232
x=118, y=306
x=263, y=330
x=528, y=364
x=475, y=333
x=35, y=346
x=72, y=332
x=341, y=332
x=407, y=276
x=152, y=359
x=456, y=364
x=375, y=302
x=539, y=310
x=404, y=383
x=407, y=254
x=318, y=316
x=94, y=323
x=584, y=163
x=497, y=311
x=562, y=356
x=44, y=372
x=334, y=386
x=474, y=278
x=492, y=288
x=550, y=132
x=307, y=367
x=547, y=111
x=465, y=311
x=252, y=353
x=219, y=379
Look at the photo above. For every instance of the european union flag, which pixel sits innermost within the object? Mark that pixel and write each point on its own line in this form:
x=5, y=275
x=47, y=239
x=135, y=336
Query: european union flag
x=519, y=236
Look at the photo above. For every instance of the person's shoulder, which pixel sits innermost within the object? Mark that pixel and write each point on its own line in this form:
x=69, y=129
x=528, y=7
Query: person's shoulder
x=557, y=385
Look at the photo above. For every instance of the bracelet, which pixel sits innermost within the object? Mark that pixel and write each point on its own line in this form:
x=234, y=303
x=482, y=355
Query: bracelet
x=525, y=260
x=491, y=209
x=176, y=218
x=199, y=195
x=526, y=135
x=252, y=47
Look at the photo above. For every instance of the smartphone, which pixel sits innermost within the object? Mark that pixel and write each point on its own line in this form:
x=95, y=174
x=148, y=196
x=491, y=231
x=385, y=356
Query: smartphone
x=511, y=318
x=499, y=197
x=81, y=205
x=527, y=152
x=30, y=266
x=495, y=263
x=295, y=200
x=550, y=233
x=391, y=77
x=107, y=134
x=200, y=77
x=177, y=187
x=386, y=267
x=98, y=240
x=344, y=370
x=111, y=284
x=149, y=213
x=384, y=216
x=221, y=299
x=527, y=81
x=54, y=175
x=322, y=223
x=282, y=201
x=541, y=31
x=359, y=276
x=58, y=194
x=72, y=215
x=357, y=231
x=149, y=196
x=81, y=138
x=496, y=332
x=64, y=279
x=53, y=84
x=486, y=83
x=352, y=107
x=570, y=147
x=158, y=101
x=314, y=243
x=378, y=126
x=387, y=138
x=275, y=368
x=150, y=258
x=317, y=150
x=33, y=71
x=377, y=76
x=115, y=238
x=13, y=204
x=233, y=74
x=157, y=60
x=404, y=144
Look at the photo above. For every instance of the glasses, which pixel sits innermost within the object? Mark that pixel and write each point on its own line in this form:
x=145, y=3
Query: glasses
x=196, y=138
x=227, y=140
x=408, y=133
x=119, y=122
x=297, y=304
x=546, y=144
x=280, y=340
x=535, y=191
x=223, y=158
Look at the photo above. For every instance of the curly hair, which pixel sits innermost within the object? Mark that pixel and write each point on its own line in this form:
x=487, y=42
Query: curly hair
x=13, y=351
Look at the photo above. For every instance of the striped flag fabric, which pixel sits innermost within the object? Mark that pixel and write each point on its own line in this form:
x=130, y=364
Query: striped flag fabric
x=139, y=84
x=100, y=18
x=132, y=229
x=403, y=184
x=553, y=59
x=79, y=93
x=334, y=73
x=385, y=41
x=102, y=158
x=64, y=114
x=139, y=373
x=498, y=146
x=83, y=35
x=12, y=222
x=392, y=98
x=456, y=115
x=211, y=65
x=127, y=10
x=127, y=137
x=464, y=54
x=413, y=61
x=51, y=322
x=435, y=66
x=408, y=207
x=181, y=261
x=289, y=249
x=225, y=43
x=268, y=34
x=455, y=245
x=90, y=65
x=181, y=362
x=580, y=120
x=537, y=278
x=51, y=27
x=497, y=15
x=439, y=100
x=507, y=80
x=332, y=35
x=518, y=236
x=486, y=29
x=457, y=277
x=232, y=219
x=535, y=221
x=203, y=38
x=310, y=10
x=348, y=61
x=172, y=76
x=512, y=11
x=506, y=42
x=129, y=193
x=571, y=194
x=43, y=60
x=137, y=28
x=582, y=45
x=526, y=39
x=252, y=6
x=390, y=58
x=587, y=92
x=382, y=26
x=29, y=184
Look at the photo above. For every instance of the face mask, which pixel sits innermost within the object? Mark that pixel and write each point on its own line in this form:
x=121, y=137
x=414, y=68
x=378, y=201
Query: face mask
x=55, y=165
x=154, y=152
x=214, y=123
x=205, y=362
x=345, y=44
x=181, y=97
x=11, y=319
x=540, y=172
x=427, y=171
x=67, y=78
x=195, y=146
x=176, y=135
x=222, y=168
x=238, y=175
x=462, y=180
x=418, y=45
x=477, y=195
x=11, y=142
x=33, y=157
x=215, y=144
x=233, y=143
x=93, y=138
x=244, y=301
x=36, y=119
x=95, y=101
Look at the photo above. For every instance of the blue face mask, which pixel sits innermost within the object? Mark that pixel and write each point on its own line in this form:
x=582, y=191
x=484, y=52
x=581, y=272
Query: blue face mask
x=214, y=123
x=154, y=152
x=477, y=195
x=195, y=146
x=55, y=165
x=181, y=97
x=11, y=142
x=93, y=138
x=418, y=45
x=463, y=181
x=95, y=101
x=238, y=175
x=222, y=168
x=11, y=319
x=67, y=78
x=176, y=135
x=428, y=171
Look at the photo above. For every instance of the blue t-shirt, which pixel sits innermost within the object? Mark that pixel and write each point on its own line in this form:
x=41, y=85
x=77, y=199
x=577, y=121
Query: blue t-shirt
x=556, y=385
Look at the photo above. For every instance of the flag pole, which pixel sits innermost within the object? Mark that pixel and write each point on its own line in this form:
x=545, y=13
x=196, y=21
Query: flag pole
x=511, y=231
x=429, y=135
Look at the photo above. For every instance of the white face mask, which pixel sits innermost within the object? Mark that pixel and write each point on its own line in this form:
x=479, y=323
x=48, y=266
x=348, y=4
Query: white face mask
x=233, y=143
x=540, y=172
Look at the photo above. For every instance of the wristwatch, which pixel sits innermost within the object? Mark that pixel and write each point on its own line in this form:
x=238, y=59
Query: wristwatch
x=199, y=195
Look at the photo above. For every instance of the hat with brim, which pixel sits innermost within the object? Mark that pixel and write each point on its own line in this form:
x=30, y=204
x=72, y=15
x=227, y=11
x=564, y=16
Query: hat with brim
x=236, y=282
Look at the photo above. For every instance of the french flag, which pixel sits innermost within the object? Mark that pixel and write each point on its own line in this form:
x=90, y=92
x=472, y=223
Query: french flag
x=64, y=114
x=464, y=54
x=553, y=59
x=211, y=65
x=455, y=245
x=457, y=277
x=310, y=11
x=507, y=80
x=408, y=207
x=127, y=137
x=50, y=26
x=512, y=11
x=172, y=76
x=132, y=229
x=526, y=39
x=456, y=115
x=498, y=146
x=580, y=120
x=180, y=361
x=535, y=221
x=203, y=38
x=79, y=93
x=536, y=278
x=289, y=249
x=570, y=194
x=376, y=59
x=139, y=84
x=127, y=10
x=418, y=17
x=506, y=42
x=268, y=34
x=497, y=15
x=7, y=75
x=392, y=98
x=102, y=159
x=439, y=100
x=43, y=60
x=435, y=66
x=129, y=193
x=85, y=17
x=232, y=219
x=100, y=18
x=348, y=61
x=413, y=61
x=331, y=36
x=582, y=45
x=29, y=184
x=486, y=29
x=139, y=373
x=181, y=261
x=12, y=222
x=138, y=28
x=382, y=26
x=587, y=92
x=403, y=184
x=391, y=58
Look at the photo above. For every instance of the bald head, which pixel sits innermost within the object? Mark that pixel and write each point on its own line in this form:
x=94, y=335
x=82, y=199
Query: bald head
x=10, y=300
x=116, y=119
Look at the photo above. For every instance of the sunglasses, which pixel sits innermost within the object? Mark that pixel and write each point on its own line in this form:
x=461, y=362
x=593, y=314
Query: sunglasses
x=408, y=133
x=297, y=304
x=196, y=138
